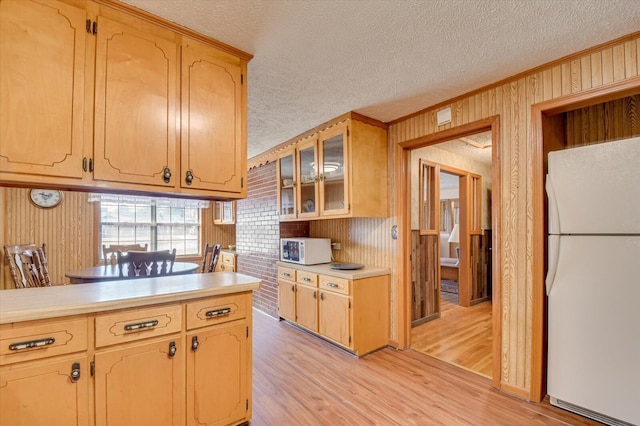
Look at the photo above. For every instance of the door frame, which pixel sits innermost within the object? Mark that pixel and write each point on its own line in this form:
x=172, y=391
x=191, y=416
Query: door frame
x=542, y=113
x=403, y=180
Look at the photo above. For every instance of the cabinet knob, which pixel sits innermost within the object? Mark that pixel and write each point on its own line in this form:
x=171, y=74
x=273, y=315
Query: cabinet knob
x=75, y=372
x=194, y=343
x=189, y=177
x=293, y=288
x=172, y=349
x=166, y=175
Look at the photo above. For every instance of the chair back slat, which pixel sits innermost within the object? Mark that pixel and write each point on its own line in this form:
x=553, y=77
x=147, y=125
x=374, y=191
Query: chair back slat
x=210, y=256
x=28, y=265
x=139, y=264
x=109, y=253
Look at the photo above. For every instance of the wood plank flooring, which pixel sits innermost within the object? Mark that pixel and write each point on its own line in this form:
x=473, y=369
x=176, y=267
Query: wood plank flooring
x=461, y=336
x=299, y=379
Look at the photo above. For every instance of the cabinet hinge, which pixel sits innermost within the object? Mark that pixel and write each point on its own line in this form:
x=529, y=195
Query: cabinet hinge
x=241, y=78
x=92, y=368
x=241, y=182
x=247, y=332
x=246, y=405
x=349, y=304
x=348, y=132
x=349, y=339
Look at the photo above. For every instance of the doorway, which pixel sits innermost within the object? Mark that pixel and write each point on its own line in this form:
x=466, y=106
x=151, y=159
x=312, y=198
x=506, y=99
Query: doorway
x=491, y=204
x=449, y=252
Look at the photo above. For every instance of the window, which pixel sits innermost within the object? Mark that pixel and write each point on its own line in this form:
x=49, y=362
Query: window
x=161, y=223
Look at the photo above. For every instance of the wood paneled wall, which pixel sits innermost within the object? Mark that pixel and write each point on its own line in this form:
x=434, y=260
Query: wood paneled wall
x=617, y=119
x=511, y=101
x=69, y=230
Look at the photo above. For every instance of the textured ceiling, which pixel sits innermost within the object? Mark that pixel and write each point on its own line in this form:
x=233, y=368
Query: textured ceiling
x=315, y=60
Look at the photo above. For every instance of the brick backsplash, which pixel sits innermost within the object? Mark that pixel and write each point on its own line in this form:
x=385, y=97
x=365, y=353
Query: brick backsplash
x=258, y=235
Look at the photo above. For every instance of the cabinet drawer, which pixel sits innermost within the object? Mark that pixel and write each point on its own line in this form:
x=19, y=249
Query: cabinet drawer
x=307, y=278
x=228, y=260
x=126, y=326
x=42, y=339
x=217, y=310
x=288, y=274
x=337, y=285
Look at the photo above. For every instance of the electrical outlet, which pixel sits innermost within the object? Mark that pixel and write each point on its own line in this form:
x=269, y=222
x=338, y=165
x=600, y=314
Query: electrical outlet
x=335, y=246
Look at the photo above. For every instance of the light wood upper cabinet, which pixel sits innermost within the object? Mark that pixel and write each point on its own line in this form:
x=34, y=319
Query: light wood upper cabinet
x=136, y=90
x=287, y=182
x=340, y=171
x=124, y=101
x=42, y=46
x=213, y=147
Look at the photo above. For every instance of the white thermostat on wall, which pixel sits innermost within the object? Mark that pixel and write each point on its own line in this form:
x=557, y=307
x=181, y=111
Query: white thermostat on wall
x=444, y=116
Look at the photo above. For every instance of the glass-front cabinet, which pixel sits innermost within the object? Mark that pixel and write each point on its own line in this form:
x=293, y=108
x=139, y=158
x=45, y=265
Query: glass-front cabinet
x=287, y=185
x=308, y=178
x=334, y=191
x=340, y=171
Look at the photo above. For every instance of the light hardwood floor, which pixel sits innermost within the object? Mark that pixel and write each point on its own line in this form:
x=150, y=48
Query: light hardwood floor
x=461, y=336
x=299, y=379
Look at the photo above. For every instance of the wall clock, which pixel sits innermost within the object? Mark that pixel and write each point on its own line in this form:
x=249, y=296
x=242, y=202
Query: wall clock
x=45, y=198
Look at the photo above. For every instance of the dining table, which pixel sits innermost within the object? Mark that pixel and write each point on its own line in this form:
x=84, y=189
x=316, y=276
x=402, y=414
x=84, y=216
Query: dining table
x=110, y=272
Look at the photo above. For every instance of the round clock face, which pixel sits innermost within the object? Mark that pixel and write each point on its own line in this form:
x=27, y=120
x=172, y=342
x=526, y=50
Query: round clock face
x=45, y=198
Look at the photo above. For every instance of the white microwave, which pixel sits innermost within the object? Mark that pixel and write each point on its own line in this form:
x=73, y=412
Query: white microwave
x=305, y=251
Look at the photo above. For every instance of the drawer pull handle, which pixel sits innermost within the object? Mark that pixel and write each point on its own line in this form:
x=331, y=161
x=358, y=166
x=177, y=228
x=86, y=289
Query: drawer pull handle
x=218, y=312
x=172, y=349
x=306, y=279
x=139, y=325
x=286, y=274
x=32, y=344
x=75, y=372
x=334, y=285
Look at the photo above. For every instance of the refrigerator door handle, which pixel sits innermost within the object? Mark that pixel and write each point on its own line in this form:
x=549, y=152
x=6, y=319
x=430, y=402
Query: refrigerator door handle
x=553, y=247
x=554, y=215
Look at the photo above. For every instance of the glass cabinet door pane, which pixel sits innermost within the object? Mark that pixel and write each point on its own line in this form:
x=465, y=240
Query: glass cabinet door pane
x=333, y=176
x=287, y=186
x=308, y=178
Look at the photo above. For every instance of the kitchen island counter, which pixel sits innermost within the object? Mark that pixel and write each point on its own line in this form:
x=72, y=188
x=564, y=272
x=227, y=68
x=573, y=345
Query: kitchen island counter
x=27, y=304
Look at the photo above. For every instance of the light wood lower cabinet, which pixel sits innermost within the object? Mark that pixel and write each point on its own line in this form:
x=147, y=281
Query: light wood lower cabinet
x=44, y=393
x=140, y=384
x=217, y=386
x=226, y=262
x=287, y=293
x=170, y=364
x=351, y=313
x=44, y=373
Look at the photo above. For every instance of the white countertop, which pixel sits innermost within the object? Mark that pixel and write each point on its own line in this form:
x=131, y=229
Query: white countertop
x=27, y=304
x=324, y=269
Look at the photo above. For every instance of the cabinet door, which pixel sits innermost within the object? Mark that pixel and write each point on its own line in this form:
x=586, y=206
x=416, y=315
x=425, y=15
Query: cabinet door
x=287, y=300
x=217, y=381
x=213, y=145
x=44, y=394
x=140, y=385
x=334, y=178
x=307, y=307
x=287, y=195
x=42, y=46
x=308, y=179
x=335, y=317
x=135, y=105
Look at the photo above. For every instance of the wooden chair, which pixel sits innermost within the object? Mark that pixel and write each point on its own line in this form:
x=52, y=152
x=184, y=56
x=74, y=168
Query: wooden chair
x=210, y=252
x=146, y=263
x=28, y=265
x=109, y=253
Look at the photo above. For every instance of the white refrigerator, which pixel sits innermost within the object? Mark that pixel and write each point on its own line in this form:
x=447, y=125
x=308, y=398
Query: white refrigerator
x=593, y=281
